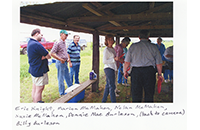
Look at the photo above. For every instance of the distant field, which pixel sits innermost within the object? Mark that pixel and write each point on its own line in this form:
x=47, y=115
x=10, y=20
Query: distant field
x=168, y=44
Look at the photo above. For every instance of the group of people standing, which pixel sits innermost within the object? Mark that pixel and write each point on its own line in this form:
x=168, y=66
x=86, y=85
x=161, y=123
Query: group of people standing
x=144, y=59
x=38, y=62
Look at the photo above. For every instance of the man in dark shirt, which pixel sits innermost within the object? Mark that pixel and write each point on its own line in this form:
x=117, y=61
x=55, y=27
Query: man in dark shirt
x=38, y=65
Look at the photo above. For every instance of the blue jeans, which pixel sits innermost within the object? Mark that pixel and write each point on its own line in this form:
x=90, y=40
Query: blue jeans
x=110, y=85
x=168, y=73
x=74, y=72
x=120, y=76
x=63, y=74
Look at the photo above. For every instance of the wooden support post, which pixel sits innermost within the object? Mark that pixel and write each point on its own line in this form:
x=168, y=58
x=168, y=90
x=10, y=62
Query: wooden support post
x=95, y=60
x=117, y=40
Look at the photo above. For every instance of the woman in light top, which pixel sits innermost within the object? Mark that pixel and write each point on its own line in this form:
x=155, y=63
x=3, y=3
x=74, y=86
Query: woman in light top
x=109, y=60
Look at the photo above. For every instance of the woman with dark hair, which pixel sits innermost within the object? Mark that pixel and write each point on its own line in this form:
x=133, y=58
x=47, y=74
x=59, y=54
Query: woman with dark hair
x=109, y=60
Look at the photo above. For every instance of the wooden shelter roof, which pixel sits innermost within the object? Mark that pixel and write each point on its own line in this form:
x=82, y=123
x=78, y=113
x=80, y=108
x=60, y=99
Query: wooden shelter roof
x=117, y=18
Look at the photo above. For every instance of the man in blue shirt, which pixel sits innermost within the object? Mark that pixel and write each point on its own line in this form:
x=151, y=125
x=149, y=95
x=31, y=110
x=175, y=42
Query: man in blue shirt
x=161, y=47
x=38, y=65
x=74, y=58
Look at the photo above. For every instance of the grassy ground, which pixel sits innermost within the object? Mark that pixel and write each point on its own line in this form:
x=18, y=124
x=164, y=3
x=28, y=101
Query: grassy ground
x=50, y=92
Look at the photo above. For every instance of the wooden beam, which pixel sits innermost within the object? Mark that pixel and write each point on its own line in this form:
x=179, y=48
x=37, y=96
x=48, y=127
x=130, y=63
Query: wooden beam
x=110, y=6
x=151, y=5
x=28, y=11
x=81, y=27
x=98, y=13
x=151, y=10
x=153, y=33
x=91, y=9
x=117, y=40
x=140, y=27
x=65, y=8
x=95, y=60
x=115, y=23
x=126, y=17
x=41, y=18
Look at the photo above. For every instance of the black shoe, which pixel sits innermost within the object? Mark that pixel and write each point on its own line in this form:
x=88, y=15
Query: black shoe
x=40, y=102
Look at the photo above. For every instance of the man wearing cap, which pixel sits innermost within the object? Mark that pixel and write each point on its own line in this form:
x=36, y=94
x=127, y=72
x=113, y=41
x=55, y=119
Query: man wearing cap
x=59, y=52
x=143, y=56
x=38, y=65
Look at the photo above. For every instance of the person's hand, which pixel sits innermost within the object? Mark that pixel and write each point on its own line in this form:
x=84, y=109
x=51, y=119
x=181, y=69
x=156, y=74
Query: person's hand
x=62, y=61
x=116, y=58
x=70, y=64
x=121, y=60
x=160, y=77
x=43, y=57
x=126, y=75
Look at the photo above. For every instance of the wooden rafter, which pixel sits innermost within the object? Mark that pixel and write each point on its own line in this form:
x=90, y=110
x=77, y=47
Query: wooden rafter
x=140, y=27
x=153, y=16
x=92, y=10
x=151, y=10
x=100, y=7
x=125, y=17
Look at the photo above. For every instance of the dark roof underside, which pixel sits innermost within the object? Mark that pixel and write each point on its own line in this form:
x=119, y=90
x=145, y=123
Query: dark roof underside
x=117, y=18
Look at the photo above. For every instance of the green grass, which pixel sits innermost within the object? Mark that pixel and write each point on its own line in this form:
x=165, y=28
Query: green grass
x=168, y=44
x=51, y=93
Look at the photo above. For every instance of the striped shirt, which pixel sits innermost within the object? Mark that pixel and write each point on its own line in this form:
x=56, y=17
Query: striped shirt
x=74, y=53
x=60, y=49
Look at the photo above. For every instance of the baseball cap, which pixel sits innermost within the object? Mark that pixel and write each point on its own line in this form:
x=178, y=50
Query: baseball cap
x=64, y=31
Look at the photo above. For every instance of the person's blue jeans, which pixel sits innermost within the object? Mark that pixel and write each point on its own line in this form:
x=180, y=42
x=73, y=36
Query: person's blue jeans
x=62, y=74
x=110, y=85
x=168, y=73
x=74, y=72
x=120, y=76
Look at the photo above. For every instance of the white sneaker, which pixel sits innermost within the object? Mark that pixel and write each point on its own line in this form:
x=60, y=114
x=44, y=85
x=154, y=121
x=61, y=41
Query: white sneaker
x=117, y=95
x=125, y=84
x=166, y=81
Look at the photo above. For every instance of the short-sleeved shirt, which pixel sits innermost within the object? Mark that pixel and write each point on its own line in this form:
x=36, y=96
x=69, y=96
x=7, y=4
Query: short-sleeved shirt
x=161, y=48
x=74, y=53
x=119, y=52
x=37, y=66
x=143, y=54
x=59, y=47
x=169, y=51
x=125, y=50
